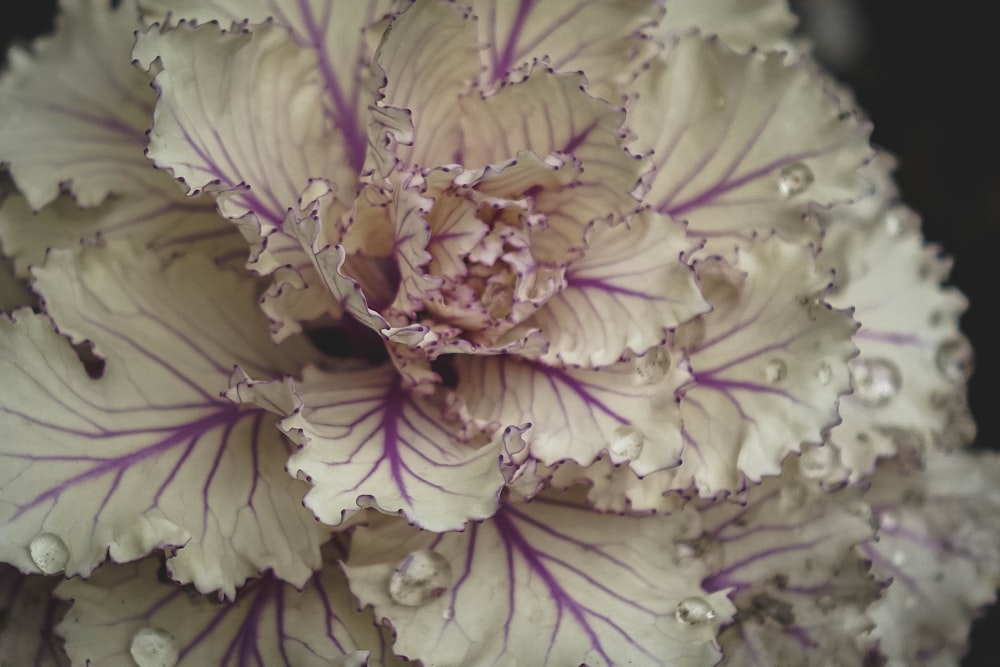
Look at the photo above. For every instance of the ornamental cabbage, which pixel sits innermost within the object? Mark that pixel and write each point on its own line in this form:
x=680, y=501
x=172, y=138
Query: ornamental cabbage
x=550, y=332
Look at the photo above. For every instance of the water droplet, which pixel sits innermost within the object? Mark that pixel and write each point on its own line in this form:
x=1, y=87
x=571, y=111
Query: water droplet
x=448, y=613
x=794, y=179
x=888, y=520
x=420, y=577
x=876, y=381
x=775, y=371
x=652, y=367
x=627, y=442
x=818, y=462
x=900, y=220
x=826, y=602
x=152, y=647
x=695, y=611
x=954, y=360
x=824, y=373
x=49, y=553
x=704, y=549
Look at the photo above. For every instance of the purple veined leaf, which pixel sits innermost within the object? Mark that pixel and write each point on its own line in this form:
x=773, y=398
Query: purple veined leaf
x=329, y=260
x=73, y=110
x=28, y=616
x=368, y=441
x=768, y=366
x=253, y=130
x=627, y=411
x=630, y=286
x=149, y=455
x=911, y=351
x=158, y=217
x=600, y=38
x=753, y=147
x=786, y=559
x=552, y=116
x=123, y=613
x=742, y=25
x=566, y=586
x=543, y=114
x=427, y=60
x=342, y=34
x=938, y=545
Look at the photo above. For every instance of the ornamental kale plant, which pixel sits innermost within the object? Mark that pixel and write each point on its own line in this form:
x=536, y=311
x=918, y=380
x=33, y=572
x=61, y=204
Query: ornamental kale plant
x=473, y=332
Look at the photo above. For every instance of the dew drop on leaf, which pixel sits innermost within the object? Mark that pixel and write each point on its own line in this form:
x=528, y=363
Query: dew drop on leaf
x=695, y=612
x=888, y=520
x=954, y=360
x=420, y=577
x=652, y=367
x=152, y=647
x=626, y=442
x=876, y=381
x=775, y=371
x=49, y=553
x=824, y=373
x=900, y=220
x=794, y=179
x=818, y=462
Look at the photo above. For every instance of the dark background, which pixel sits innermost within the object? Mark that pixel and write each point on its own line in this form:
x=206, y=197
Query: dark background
x=927, y=75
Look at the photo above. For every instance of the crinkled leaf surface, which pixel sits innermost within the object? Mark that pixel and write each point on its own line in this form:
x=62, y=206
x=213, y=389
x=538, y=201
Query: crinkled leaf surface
x=786, y=557
x=600, y=38
x=551, y=114
x=74, y=111
x=744, y=143
x=428, y=58
x=910, y=375
x=543, y=113
x=366, y=441
x=269, y=623
x=627, y=410
x=938, y=542
x=550, y=582
x=628, y=288
x=767, y=365
x=253, y=127
x=341, y=34
x=159, y=218
x=148, y=455
x=741, y=24
x=28, y=615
